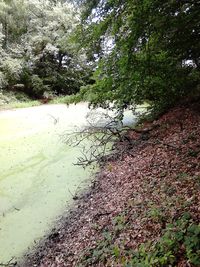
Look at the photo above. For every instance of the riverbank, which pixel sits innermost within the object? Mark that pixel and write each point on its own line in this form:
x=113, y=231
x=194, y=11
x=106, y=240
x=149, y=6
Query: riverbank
x=149, y=196
x=15, y=100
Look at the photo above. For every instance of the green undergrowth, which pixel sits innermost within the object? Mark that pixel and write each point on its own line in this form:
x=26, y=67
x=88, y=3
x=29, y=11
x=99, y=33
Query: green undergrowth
x=10, y=100
x=27, y=104
x=179, y=240
x=165, y=233
x=67, y=99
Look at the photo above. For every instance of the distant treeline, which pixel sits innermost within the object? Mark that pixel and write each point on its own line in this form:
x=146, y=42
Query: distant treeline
x=126, y=52
x=38, y=54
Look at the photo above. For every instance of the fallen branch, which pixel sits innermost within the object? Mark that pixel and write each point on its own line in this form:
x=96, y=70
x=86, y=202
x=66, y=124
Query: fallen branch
x=165, y=144
x=98, y=140
x=9, y=263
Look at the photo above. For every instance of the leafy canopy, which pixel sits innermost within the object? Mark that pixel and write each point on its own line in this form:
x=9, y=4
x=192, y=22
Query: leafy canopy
x=154, y=52
x=37, y=48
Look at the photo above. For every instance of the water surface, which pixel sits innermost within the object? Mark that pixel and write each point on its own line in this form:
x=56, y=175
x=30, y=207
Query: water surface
x=37, y=174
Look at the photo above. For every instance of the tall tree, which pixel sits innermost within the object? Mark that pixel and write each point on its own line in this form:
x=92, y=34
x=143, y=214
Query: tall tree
x=39, y=50
x=155, y=50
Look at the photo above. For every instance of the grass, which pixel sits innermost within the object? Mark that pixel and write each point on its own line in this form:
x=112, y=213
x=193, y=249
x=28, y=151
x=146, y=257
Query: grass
x=62, y=99
x=12, y=100
x=31, y=103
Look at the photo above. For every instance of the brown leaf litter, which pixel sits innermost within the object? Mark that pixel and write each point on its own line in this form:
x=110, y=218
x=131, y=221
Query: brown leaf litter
x=156, y=181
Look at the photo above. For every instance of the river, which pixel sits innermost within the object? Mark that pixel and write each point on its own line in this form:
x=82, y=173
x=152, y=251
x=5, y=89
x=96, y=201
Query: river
x=37, y=174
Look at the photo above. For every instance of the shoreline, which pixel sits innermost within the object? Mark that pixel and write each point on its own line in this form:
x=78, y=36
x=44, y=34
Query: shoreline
x=65, y=221
x=132, y=200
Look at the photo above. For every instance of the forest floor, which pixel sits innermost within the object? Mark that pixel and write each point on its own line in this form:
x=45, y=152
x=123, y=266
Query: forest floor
x=150, y=196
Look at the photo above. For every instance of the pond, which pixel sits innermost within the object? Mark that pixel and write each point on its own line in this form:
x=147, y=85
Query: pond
x=37, y=174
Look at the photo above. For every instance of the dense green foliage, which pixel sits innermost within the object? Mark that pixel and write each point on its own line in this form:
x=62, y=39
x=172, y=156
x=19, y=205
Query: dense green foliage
x=140, y=50
x=180, y=240
x=154, y=52
x=37, y=52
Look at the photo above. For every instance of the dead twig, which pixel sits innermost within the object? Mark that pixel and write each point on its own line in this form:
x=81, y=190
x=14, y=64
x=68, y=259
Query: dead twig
x=74, y=196
x=97, y=140
x=9, y=263
x=167, y=145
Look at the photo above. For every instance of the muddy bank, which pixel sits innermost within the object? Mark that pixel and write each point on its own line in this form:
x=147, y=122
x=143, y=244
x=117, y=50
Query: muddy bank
x=133, y=198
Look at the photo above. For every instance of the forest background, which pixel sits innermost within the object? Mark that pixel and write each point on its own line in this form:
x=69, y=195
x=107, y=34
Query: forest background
x=114, y=51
